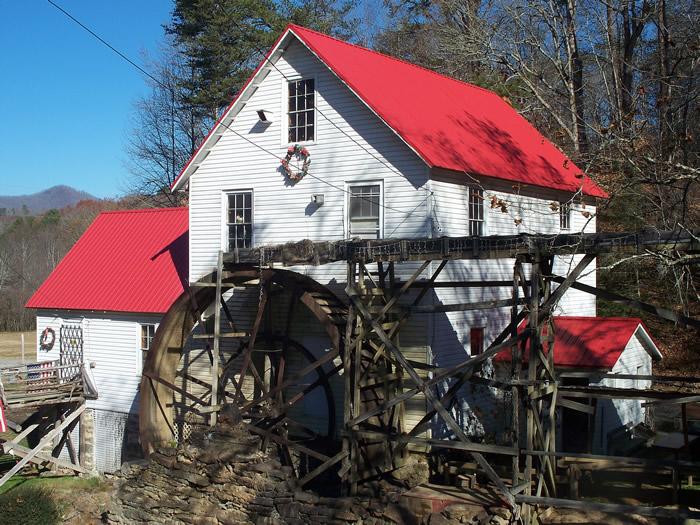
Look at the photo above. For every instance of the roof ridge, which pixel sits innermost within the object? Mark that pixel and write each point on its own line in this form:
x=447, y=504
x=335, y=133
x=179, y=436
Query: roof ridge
x=616, y=318
x=402, y=61
x=143, y=210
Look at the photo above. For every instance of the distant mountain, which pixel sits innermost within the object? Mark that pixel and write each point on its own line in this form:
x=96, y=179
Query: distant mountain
x=56, y=197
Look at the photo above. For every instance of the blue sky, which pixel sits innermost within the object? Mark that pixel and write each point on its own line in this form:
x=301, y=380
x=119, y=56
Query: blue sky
x=65, y=100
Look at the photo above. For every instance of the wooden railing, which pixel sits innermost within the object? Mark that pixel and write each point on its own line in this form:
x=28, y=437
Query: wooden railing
x=40, y=383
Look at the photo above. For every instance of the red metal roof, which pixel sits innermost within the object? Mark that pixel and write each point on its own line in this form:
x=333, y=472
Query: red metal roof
x=126, y=261
x=448, y=123
x=588, y=342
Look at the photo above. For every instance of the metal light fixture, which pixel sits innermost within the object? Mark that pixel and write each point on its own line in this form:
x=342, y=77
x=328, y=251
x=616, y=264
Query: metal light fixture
x=265, y=115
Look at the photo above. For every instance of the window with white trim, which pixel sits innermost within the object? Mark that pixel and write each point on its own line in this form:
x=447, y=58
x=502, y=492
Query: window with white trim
x=239, y=220
x=301, y=103
x=476, y=211
x=147, y=333
x=364, y=211
x=565, y=215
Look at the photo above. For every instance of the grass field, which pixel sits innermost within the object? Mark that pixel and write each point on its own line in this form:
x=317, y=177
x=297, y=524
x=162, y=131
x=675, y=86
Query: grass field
x=10, y=346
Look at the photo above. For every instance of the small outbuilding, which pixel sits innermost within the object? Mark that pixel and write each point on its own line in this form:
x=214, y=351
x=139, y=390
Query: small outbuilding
x=104, y=301
x=608, y=345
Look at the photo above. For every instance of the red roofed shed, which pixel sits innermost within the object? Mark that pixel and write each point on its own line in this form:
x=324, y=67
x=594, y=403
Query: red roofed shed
x=126, y=261
x=594, y=342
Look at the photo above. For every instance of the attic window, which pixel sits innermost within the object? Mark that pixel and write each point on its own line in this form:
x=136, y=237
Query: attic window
x=301, y=110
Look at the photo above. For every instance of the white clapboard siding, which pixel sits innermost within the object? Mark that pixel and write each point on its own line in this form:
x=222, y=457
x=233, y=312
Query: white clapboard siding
x=111, y=341
x=366, y=150
x=611, y=414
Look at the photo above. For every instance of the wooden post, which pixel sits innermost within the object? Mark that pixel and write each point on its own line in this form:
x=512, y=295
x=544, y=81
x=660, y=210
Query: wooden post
x=214, y=400
x=515, y=375
x=684, y=423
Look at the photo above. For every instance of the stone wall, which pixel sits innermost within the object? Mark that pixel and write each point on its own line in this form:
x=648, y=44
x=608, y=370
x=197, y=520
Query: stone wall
x=227, y=480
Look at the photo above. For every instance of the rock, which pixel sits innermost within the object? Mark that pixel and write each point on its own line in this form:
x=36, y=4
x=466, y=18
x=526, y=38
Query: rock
x=345, y=515
x=204, y=520
x=438, y=519
x=414, y=472
x=306, y=497
x=502, y=512
x=461, y=511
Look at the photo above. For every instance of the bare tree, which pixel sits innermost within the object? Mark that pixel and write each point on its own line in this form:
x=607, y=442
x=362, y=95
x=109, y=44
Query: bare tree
x=165, y=134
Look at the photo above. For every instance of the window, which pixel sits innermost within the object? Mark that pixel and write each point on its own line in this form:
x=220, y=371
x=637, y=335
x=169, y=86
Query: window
x=364, y=211
x=565, y=215
x=147, y=333
x=239, y=220
x=476, y=211
x=301, y=110
x=476, y=341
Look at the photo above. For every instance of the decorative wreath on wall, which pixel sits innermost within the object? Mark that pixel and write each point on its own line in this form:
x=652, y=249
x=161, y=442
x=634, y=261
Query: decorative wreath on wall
x=300, y=153
x=47, y=339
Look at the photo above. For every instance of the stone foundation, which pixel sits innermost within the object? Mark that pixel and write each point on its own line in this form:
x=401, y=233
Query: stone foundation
x=228, y=480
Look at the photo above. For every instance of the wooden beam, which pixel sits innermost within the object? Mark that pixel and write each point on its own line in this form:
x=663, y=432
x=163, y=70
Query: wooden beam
x=214, y=399
x=662, y=313
x=441, y=443
x=679, y=401
x=463, y=307
x=658, y=512
x=323, y=467
x=285, y=442
x=488, y=247
x=48, y=438
x=573, y=405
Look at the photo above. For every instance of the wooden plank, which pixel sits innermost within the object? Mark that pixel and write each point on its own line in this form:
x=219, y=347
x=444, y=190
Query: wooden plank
x=463, y=307
x=460, y=284
x=285, y=442
x=658, y=512
x=214, y=398
x=22, y=451
x=43, y=443
x=679, y=401
x=663, y=313
x=573, y=405
x=323, y=467
x=176, y=388
x=615, y=460
x=9, y=445
x=486, y=247
x=442, y=443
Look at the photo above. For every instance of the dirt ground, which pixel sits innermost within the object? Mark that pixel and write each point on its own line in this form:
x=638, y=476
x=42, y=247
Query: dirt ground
x=10, y=347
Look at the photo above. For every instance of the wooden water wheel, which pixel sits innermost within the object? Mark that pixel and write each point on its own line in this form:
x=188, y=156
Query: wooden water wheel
x=255, y=369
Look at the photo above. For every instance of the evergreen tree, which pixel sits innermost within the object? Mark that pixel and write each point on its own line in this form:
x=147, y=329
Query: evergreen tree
x=223, y=40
